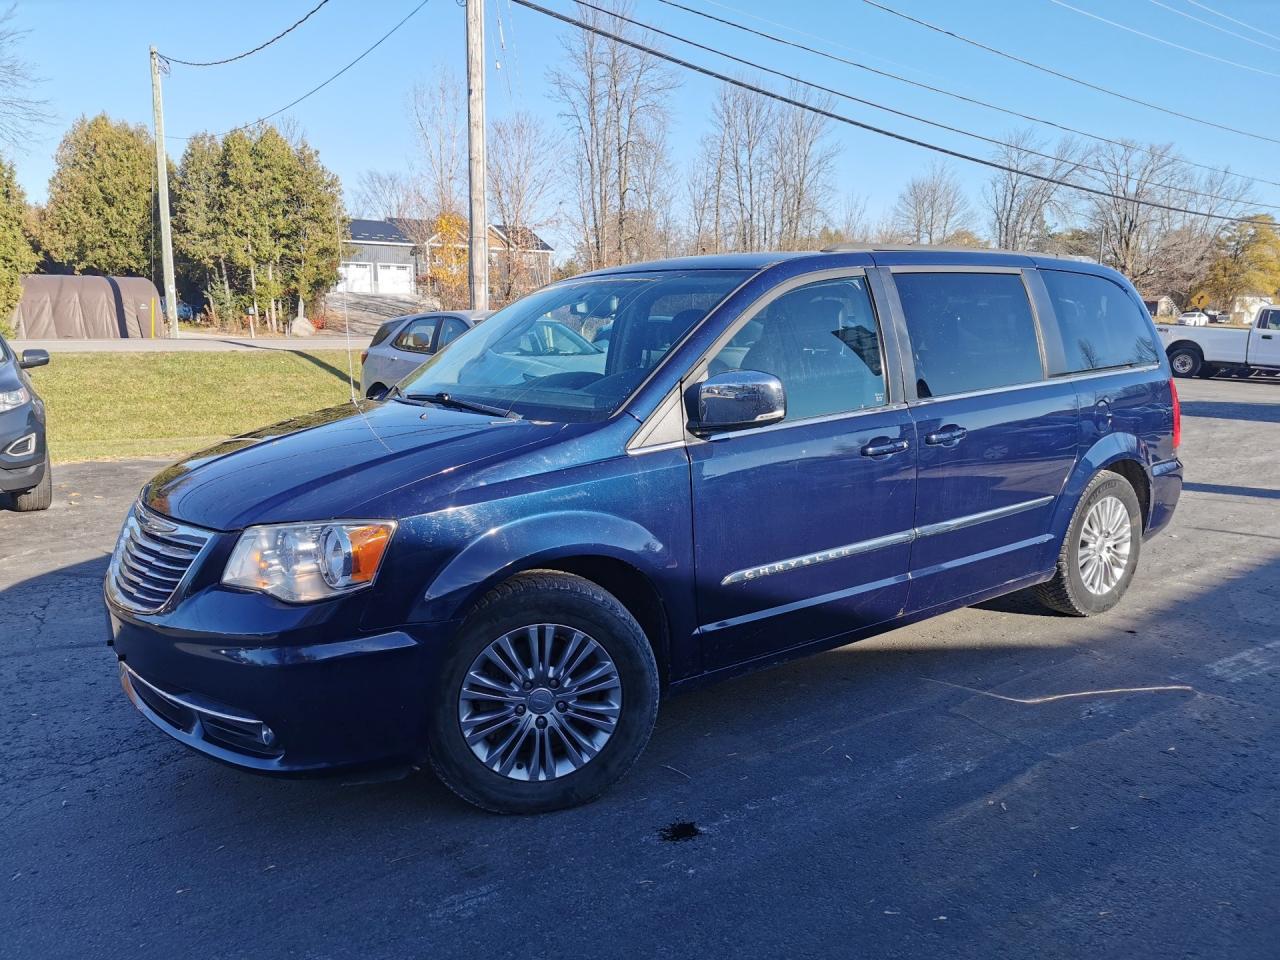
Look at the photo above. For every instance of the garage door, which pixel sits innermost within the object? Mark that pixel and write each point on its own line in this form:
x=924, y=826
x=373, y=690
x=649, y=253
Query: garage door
x=395, y=278
x=355, y=277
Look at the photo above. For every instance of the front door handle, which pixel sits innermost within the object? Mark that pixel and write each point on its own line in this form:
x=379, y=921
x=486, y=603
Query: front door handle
x=884, y=447
x=1266, y=336
x=947, y=436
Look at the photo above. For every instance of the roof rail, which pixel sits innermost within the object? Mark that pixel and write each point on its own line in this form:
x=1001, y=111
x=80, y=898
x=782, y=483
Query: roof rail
x=943, y=248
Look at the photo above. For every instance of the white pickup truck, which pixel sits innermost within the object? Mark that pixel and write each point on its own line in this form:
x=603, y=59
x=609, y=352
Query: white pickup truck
x=1208, y=351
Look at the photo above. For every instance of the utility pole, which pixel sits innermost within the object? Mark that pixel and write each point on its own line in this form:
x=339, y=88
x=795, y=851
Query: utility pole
x=162, y=198
x=478, y=249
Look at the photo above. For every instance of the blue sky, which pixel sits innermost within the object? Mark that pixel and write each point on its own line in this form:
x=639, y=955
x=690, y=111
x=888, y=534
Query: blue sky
x=93, y=56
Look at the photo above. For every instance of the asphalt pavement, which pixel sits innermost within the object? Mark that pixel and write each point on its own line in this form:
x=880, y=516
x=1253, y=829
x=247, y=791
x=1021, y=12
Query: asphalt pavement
x=997, y=782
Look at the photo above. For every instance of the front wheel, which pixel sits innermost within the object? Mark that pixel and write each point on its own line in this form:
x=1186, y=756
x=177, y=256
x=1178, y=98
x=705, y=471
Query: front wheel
x=39, y=497
x=1100, y=551
x=547, y=698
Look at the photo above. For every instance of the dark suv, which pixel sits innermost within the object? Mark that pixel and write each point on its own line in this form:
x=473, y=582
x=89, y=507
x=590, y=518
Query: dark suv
x=24, y=458
x=503, y=567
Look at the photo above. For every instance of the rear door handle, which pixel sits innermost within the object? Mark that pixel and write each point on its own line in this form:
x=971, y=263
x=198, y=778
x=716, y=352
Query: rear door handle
x=947, y=436
x=884, y=447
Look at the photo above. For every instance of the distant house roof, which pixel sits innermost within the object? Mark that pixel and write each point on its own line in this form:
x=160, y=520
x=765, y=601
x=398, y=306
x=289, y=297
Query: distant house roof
x=402, y=230
x=376, y=231
x=522, y=238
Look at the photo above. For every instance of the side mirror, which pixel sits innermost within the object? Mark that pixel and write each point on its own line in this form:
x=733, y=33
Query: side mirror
x=736, y=400
x=33, y=358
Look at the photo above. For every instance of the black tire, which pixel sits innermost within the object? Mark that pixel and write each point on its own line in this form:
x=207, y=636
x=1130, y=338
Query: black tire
x=1067, y=592
x=1208, y=371
x=1185, y=361
x=544, y=597
x=376, y=392
x=38, y=497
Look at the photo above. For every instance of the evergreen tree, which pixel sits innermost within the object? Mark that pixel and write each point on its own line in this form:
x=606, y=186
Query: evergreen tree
x=99, y=215
x=16, y=255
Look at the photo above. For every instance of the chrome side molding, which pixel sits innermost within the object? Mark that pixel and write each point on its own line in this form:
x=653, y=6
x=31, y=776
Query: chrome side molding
x=879, y=543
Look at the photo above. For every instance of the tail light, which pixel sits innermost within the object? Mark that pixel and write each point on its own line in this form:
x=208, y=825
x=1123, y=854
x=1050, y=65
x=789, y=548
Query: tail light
x=1177, y=414
x=364, y=355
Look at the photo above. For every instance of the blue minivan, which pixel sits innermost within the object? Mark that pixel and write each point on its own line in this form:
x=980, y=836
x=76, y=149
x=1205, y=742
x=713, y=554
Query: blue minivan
x=502, y=567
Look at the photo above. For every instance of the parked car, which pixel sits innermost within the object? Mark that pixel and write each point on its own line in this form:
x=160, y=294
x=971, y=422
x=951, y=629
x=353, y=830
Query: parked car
x=1194, y=318
x=25, y=473
x=503, y=572
x=1240, y=350
x=402, y=345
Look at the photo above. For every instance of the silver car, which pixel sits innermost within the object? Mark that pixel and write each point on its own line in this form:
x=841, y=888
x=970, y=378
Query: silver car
x=403, y=344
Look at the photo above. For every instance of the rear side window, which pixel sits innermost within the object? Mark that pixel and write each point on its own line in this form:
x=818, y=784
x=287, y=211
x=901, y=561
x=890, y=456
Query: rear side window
x=453, y=328
x=969, y=331
x=1101, y=325
x=821, y=340
x=380, y=335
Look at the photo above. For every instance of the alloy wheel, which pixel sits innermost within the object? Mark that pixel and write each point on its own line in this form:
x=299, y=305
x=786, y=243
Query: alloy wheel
x=1104, y=545
x=540, y=702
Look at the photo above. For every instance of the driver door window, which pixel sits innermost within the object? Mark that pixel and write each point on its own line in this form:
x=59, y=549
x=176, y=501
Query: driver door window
x=821, y=340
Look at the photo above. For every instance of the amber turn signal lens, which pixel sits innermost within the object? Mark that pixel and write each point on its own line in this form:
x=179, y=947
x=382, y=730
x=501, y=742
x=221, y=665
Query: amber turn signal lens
x=368, y=544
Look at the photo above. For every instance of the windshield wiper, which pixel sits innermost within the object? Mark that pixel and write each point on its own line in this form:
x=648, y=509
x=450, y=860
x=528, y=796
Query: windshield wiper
x=449, y=400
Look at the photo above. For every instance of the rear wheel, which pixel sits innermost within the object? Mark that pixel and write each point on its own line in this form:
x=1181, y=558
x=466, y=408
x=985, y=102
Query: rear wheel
x=38, y=497
x=547, y=698
x=376, y=392
x=1100, y=551
x=1185, y=361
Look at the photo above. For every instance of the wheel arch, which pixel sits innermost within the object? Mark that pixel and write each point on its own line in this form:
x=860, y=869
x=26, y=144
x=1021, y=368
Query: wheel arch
x=621, y=557
x=1119, y=453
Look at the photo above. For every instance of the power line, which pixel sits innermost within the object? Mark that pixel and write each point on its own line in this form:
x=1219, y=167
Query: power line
x=1239, y=23
x=841, y=118
x=320, y=86
x=1213, y=26
x=944, y=92
x=1066, y=76
x=1168, y=43
x=1080, y=164
x=247, y=53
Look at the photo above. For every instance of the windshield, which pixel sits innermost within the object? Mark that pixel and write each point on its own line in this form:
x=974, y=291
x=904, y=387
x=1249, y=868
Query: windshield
x=576, y=350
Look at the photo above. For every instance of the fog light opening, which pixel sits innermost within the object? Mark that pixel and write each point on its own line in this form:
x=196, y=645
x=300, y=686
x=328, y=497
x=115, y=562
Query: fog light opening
x=22, y=447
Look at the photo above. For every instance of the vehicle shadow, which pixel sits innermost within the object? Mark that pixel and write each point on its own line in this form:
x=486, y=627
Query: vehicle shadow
x=1225, y=410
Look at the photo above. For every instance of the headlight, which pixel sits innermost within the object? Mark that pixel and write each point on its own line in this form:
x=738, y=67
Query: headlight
x=303, y=562
x=10, y=399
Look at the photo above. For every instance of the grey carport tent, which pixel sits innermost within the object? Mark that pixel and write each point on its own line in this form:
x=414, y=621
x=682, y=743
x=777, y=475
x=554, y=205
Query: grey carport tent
x=88, y=308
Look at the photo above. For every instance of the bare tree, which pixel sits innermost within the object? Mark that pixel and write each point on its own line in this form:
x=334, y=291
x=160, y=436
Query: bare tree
x=1161, y=251
x=1020, y=207
x=614, y=102
x=521, y=174
x=384, y=194
x=763, y=177
x=437, y=109
x=931, y=207
x=19, y=113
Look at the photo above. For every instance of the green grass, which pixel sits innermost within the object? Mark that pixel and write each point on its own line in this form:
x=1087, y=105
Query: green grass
x=109, y=406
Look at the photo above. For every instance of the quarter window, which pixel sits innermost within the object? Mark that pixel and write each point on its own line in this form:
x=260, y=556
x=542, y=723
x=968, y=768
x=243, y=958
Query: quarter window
x=416, y=337
x=969, y=331
x=1101, y=325
x=821, y=341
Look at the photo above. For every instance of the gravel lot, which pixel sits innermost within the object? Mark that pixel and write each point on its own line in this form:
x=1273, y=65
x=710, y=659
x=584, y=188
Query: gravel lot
x=980, y=785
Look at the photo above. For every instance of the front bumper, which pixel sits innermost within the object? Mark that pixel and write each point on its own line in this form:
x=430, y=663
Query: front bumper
x=24, y=471
x=295, y=701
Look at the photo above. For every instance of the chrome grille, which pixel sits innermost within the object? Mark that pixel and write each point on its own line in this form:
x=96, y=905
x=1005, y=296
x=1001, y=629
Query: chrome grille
x=152, y=559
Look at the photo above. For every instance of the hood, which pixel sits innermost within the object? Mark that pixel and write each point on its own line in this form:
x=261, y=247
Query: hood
x=340, y=462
